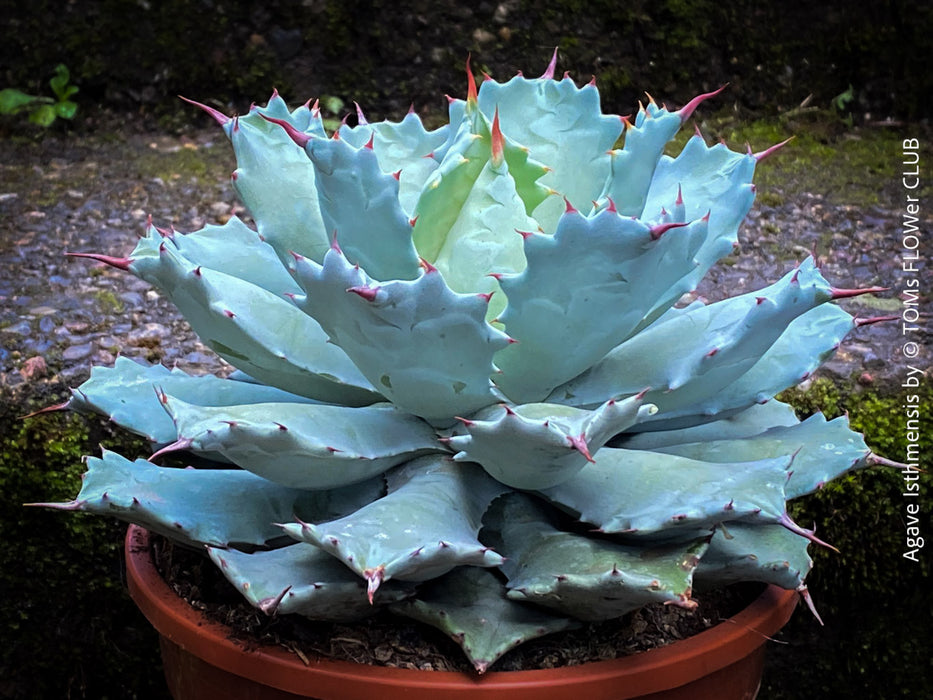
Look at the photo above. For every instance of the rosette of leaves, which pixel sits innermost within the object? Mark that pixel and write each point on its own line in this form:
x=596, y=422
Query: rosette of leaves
x=466, y=388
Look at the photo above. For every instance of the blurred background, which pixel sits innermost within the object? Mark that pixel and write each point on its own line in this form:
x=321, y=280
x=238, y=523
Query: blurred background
x=137, y=55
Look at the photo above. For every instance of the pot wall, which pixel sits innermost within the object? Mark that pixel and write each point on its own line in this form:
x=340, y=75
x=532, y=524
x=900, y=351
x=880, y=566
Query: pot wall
x=723, y=663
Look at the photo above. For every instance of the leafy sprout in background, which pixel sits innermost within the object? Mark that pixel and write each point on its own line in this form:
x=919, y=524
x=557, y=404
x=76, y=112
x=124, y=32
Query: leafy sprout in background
x=43, y=110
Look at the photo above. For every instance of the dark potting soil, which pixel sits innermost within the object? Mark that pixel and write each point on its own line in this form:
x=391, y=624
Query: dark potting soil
x=389, y=640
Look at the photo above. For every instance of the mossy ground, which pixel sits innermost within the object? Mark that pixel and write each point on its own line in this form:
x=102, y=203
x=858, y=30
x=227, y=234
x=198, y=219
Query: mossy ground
x=875, y=642
x=827, y=156
x=70, y=629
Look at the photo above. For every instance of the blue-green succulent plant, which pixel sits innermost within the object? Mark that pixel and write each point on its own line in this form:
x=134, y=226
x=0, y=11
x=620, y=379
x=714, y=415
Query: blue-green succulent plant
x=466, y=386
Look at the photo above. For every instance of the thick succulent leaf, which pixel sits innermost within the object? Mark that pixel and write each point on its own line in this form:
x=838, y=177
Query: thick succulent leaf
x=256, y=331
x=485, y=242
x=584, y=290
x=710, y=347
x=308, y=446
x=275, y=180
x=536, y=446
x=217, y=507
x=754, y=552
x=234, y=249
x=303, y=580
x=712, y=180
x=428, y=349
x=562, y=126
x=707, y=181
x=425, y=526
x=654, y=495
x=631, y=168
x=360, y=208
x=475, y=123
x=701, y=182
x=752, y=421
x=587, y=578
x=470, y=606
x=469, y=213
x=808, y=342
x=127, y=394
x=441, y=201
x=405, y=148
x=823, y=450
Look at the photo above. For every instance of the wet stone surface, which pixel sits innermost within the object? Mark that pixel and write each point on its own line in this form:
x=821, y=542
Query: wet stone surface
x=59, y=315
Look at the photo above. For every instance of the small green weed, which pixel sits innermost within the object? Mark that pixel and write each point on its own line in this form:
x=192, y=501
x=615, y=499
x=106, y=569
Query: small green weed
x=43, y=110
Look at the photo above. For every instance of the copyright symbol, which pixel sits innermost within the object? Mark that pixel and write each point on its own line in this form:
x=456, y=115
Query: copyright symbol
x=911, y=349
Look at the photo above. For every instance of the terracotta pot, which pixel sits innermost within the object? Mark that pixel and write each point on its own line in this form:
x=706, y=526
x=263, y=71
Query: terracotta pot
x=202, y=662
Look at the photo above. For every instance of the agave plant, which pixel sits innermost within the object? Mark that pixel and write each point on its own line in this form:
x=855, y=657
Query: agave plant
x=467, y=387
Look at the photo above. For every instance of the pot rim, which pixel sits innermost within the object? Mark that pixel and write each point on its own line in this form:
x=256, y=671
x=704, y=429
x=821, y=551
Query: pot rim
x=647, y=672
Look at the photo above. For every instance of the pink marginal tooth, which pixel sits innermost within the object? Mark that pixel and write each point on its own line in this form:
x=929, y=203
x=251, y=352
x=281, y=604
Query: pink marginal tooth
x=760, y=156
x=859, y=322
x=846, y=293
x=298, y=137
x=48, y=409
x=359, y=114
x=498, y=141
x=180, y=444
x=551, y=67
x=374, y=578
x=218, y=116
x=119, y=263
x=579, y=444
x=367, y=293
x=472, y=94
x=688, y=109
x=786, y=521
x=661, y=229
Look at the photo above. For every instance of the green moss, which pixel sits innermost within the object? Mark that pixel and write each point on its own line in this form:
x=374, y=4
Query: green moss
x=871, y=598
x=108, y=302
x=846, y=165
x=863, y=514
x=187, y=164
x=77, y=633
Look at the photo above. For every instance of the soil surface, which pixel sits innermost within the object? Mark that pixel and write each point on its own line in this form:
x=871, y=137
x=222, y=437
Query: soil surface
x=388, y=640
x=92, y=192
